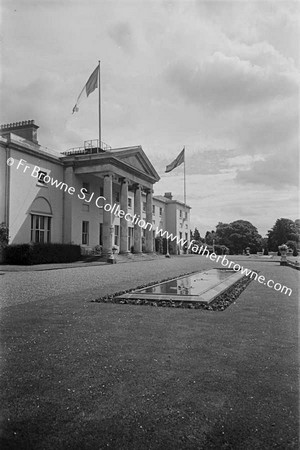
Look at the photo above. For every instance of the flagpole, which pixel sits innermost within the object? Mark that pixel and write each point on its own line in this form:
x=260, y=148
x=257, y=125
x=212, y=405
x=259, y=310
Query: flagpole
x=99, y=89
x=184, y=180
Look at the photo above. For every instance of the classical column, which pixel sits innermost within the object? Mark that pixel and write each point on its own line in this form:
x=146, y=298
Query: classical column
x=123, y=221
x=107, y=216
x=149, y=211
x=138, y=213
x=67, y=205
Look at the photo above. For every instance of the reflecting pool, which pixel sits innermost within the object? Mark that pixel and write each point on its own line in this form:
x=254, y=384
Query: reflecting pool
x=194, y=284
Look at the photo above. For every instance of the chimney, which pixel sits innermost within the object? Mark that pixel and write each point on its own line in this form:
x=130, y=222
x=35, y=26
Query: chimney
x=25, y=129
x=169, y=195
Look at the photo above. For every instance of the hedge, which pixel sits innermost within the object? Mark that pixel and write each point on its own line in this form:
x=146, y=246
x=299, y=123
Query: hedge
x=24, y=254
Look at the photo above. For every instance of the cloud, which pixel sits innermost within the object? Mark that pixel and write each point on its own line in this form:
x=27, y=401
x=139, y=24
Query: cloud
x=232, y=17
x=121, y=34
x=244, y=22
x=29, y=108
x=262, y=54
x=226, y=82
x=276, y=170
x=272, y=127
x=286, y=18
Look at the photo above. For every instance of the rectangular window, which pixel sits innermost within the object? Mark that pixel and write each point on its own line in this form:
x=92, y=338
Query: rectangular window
x=130, y=238
x=101, y=191
x=117, y=197
x=180, y=213
x=86, y=186
x=160, y=211
x=129, y=202
x=85, y=232
x=40, y=229
x=117, y=229
x=144, y=206
x=100, y=233
x=153, y=209
x=41, y=176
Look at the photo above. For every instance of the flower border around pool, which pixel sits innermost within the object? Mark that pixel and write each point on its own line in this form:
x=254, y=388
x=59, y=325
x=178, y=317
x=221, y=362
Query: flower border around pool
x=220, y=303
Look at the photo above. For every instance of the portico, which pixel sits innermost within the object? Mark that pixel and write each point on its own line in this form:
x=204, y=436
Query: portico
x=119, y=172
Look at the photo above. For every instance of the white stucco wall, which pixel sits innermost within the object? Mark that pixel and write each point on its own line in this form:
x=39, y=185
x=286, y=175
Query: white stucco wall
x=24, y=189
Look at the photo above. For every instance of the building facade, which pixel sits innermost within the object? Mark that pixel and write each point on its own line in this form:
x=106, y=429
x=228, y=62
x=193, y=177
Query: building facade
x=89, y=196
x=174, y=216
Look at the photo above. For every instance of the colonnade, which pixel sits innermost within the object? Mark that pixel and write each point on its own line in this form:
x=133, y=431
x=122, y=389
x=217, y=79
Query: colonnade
x=137, y=232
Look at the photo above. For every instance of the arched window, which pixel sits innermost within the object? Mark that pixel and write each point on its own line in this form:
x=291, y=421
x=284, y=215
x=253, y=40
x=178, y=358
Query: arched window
x=41, y=214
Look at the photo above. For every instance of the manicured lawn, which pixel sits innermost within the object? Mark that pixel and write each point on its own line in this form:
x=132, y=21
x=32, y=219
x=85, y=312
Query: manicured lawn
x=89, y=375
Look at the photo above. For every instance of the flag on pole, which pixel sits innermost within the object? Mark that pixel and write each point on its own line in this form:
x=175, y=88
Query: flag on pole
x=90, y=86
x=179, y=160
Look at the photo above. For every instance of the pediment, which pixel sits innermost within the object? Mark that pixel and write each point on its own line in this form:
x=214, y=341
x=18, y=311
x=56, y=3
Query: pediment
x=136, y=158
x=134, y=162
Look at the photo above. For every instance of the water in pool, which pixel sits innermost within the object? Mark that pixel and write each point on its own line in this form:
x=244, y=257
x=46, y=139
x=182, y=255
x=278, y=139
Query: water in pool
x=194, y=284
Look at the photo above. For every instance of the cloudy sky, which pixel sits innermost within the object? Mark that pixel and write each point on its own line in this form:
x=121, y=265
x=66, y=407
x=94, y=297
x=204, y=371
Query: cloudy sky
x=220, y=78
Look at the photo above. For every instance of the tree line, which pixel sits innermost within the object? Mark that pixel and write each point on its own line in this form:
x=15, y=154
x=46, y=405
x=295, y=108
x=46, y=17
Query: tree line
x=236, y=236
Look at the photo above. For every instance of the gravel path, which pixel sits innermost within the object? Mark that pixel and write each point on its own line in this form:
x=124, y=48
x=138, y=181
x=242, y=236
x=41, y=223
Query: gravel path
x=88, y=283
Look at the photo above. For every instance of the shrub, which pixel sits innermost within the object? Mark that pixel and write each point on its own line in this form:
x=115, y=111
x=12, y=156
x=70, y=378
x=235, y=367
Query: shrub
x=293, y=246
x=17, y=254
x=97, y=250
x=3, y=235
x=24, y=254
x=221, y=250
x=198, y=244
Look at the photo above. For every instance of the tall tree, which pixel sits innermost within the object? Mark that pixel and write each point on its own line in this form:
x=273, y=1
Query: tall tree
x=196, y=235
x=284, y=230
x=238, y=235
x=211, y=238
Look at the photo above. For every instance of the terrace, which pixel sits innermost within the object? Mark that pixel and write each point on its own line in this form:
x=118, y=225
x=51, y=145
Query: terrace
x=89, y=147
